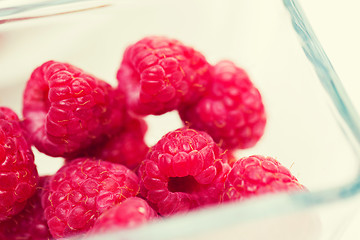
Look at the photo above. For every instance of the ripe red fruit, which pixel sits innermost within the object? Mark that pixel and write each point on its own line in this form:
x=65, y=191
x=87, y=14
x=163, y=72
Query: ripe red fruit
x=130, y=213
x=231, y=111
x=256, y=175
x=82, y=190
x=18, y=173
x=126, y=147
x=30, y=223
x=184, y=170
x=158, y=73
x=67, y=110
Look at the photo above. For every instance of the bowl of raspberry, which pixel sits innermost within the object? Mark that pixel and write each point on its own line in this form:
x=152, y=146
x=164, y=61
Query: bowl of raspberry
x=171, y=120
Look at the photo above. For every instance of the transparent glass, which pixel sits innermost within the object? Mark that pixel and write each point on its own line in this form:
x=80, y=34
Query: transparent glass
x=312, y=126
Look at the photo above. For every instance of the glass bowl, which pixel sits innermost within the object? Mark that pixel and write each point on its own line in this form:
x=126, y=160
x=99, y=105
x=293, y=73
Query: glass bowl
x=312, y=127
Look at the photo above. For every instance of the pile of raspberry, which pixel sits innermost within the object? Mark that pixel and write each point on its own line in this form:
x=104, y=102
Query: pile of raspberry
x=111, y=179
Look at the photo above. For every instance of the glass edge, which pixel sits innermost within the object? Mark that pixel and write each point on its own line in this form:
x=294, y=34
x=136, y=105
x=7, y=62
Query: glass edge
x=212, y=218
x=34, y=9
x=221, y=217
x=347, y=117
x=324, y=70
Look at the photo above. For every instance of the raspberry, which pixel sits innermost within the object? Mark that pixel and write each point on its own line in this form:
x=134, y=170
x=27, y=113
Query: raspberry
x=158, y=73
x=256, y=175
x=18, y=173
x=130, y=213
x=82, y=190
x=184, y=170
x=231, y=159
x=29, y=224
x=127, y=147
x=66, y=110
x=231, y=111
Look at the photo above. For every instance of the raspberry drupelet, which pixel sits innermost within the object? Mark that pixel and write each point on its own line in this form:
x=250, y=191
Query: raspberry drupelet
x=184, y=170
x=18, y=173
x=231, y=111
x=30, y=223
x=126, y=147
x=130, y=213
x=159, y=73
x=81, y=191
x=257, y=175
x=66, y=110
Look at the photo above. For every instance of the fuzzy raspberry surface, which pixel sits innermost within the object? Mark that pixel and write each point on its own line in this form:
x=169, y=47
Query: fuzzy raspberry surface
x=130, y=213
x=66, y=110
x=126, y=147
x=231, y=159
x=30, y=223
x=184, y=170
x=18, y=173
x=159, y=73
x=257, y=175
x=81, y=191
x=231, y=111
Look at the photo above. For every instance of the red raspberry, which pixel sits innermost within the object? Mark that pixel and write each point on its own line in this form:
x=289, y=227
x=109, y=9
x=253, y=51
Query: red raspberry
x=231, y=111
x=82, y=190
x=184, y=170
x=127, y=146
x=18, y=173
x=256, y=175
x=158, y=73
x=66, y=110
x=130, y=213
x=29, y=224
x=231, y=159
